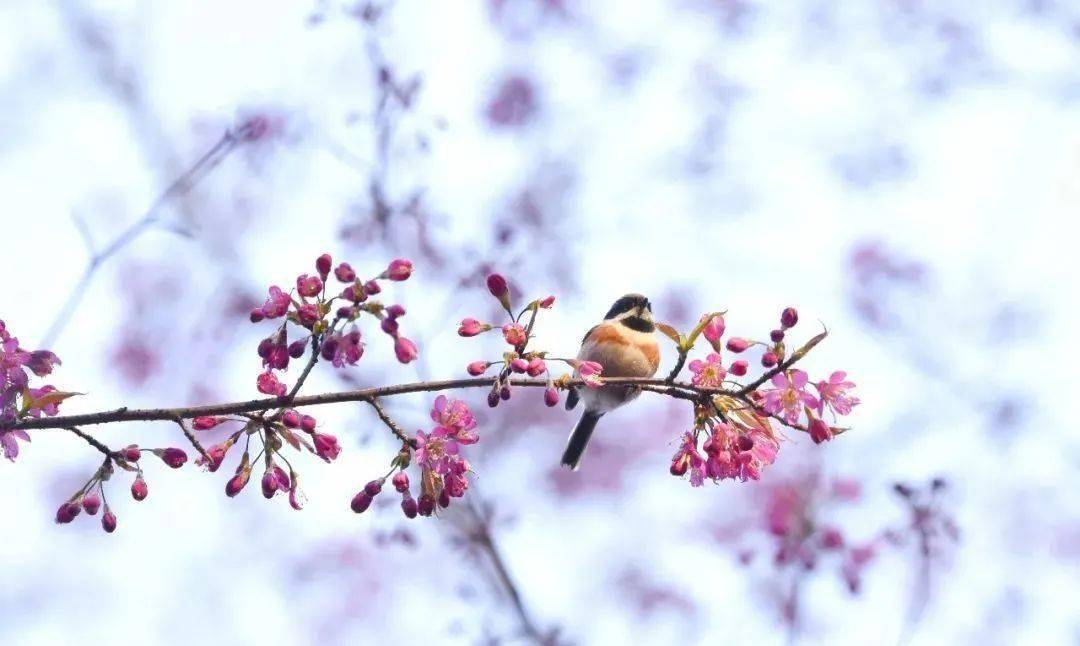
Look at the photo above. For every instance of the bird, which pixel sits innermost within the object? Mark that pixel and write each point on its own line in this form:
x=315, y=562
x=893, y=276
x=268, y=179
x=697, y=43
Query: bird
x=624, y=344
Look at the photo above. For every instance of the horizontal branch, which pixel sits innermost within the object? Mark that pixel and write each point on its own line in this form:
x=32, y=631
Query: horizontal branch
x=661, y=386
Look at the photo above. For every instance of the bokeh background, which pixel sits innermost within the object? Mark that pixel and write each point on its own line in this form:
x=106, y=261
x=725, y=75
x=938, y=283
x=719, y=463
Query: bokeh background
x=904, y=171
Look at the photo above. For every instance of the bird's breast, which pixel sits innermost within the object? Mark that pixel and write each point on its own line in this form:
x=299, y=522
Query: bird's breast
x=623, y=352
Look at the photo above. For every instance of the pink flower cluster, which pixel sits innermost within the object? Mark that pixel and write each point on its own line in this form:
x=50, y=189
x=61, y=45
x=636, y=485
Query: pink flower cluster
x=309, y=306
x=437, y=453
x=18, y=399
x=519, y=359
x=796, y=520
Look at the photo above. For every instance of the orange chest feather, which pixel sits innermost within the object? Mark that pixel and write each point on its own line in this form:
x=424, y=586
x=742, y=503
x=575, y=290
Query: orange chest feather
x=622, y=354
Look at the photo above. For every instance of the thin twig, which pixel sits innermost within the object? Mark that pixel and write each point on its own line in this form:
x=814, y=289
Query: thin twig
x=191, y=437
x=390, y=423
x=92, y=441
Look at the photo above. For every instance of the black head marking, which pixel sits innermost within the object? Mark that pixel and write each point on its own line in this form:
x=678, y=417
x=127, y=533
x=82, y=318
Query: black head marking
x=628, y=303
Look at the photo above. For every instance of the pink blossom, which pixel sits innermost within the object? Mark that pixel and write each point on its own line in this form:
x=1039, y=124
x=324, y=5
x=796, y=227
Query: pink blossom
x=820, y=431
x=687, y=459
x=215, y=455
x=405, y=350
x=308, y=286
x=9, y=444
x=308, y=315
x=277, y=304
x=455, y=416
x=834, y=394
x=268, y=384
x=514, y=334
x=713, y=330
x=399, y=269
x=344, y=272
x=41, y=362
x=789, y=396
x=519, y=365
x=472, y=327
x=49, y=409
x=326, y=446
x=346, y=349
x=536, y=367
x=739, y=452
x=589, y=371
x=709, y=373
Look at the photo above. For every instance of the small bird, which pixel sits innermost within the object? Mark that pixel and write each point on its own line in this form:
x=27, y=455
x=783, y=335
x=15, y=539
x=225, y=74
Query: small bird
x=625, y=346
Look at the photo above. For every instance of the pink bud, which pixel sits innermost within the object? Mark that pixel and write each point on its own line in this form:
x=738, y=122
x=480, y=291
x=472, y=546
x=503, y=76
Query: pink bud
x=237, y=483
x=477, y=368
x=360, y=502
x=205, y=423
x=297, y=348
x=405, y=350
x=308, y=423
x=496, y=284
x=679, y=467
x=308, y=315
x=269, y=484
x=769, y=359
x=400, y=481
x=67, y=512
x=713, y=330
x=547, y=302
x=326, y=446
x=291, y=419
x=831, y=539
x=264, y=348
x=91, y=503
x=374, y=487
x=471, y=327
x=256, y=315
x=493, y=399
x=537, y=367
x=514, y=334
x=504, y=393
x=519, y=365
x=426, y=505
x=131, y=453
x=139, y=490
x=395, y=311
x=739, y=368
x=789, y=317
x=389, y=325
x=108, y=521
x=399, y=269
x=736, y=344
x=175, y=458
x=322, y=265
x=444, y=498
x=551, y=396
x=409, y=507
x=308, y=286
x=345, y=273
x=777, y=336
x=820, y=431
x=371, y=288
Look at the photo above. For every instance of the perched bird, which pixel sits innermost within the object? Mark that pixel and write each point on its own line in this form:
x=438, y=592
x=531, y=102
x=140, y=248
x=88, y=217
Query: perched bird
x=625, y=346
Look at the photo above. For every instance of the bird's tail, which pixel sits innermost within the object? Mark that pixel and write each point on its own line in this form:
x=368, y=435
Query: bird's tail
x=579, y=439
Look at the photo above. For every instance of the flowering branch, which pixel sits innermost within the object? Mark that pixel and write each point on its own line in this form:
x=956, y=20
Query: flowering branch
x=732, y=422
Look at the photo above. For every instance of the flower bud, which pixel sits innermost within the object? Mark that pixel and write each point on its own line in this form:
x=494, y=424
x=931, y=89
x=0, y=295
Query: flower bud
x=389, y=325
x=374, y=487
x=139, y=490
x=360, y=502
x=175, y=458
x=504, y=393
x=537, y=367
x=551, y=396
x=471, y=327
x=713, y=330
x=514, y=334
x=444, y=498
x=237, y=483
x=405, y=350
x=832, y=539
x=269, y=484
x=256, y=315
x=399, y=269
x=777, y=336
x=297, y=348
x=205, y=423
x=308, y=286
x=108, y=521
x=519, y=365
x=477, y=368
x=264, y=348
x=679, y=467
x=820, y=431
x=395, y=311
x=745, y=443
x=547, y=302
x=67, y=512
x=789, y=317
x=400, y=481
x=409, y=507
x=308, y=423
x=91, y=503
x=329, y=349
x=322, y=265
x=426, y=505
x=308, y=315
x=493, y=399
x=738, y=368
x=496, y=284
x=345, y=273
x=371, y=288
x=736, y=344
x=769, y=359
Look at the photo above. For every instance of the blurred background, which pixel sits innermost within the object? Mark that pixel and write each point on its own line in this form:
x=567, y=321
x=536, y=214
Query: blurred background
x=904, y=171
